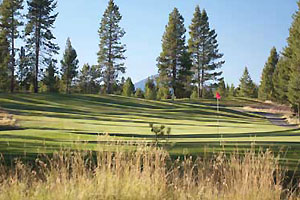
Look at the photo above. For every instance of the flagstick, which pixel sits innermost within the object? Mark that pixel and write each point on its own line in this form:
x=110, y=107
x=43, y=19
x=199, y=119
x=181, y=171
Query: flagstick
x=218, y=111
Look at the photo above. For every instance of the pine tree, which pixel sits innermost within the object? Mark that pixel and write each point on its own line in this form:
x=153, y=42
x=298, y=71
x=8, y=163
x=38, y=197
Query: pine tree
x=139, y=93
x=10, y=21
x=50, y=78
x=174, y=61
x=163, y=93
x=266, y=89
x=203, y=47
x=23, y=69
x=88, y=78
x=281, y=78
x=247, y=86
x=4, y=60
x=232, y=91
x=293, y=54
x=39, y=38
x=128, y=88
x=222, y=88
x=111, y=53
x=150, y=90
x=69, y=65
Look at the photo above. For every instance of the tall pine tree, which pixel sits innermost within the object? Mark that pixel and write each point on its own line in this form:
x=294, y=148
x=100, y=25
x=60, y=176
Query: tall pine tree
x=111, y=53
x=247, y=86
x=128, y=88
x=203, y=46
x=293, y=54
x=69, y=65
x=39, y=38
x=174, y=61
x=281, y=78
x=266, y=88
x=10, y=21
x=50, y=77
x=4, y=60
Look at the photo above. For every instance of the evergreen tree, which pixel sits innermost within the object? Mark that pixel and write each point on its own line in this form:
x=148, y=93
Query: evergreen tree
x=39, y=38
x=139, y=93
x=203, y=47
x=128, y=88
x=281, y=78
x=163, y=93
x=111, y=53
x=50, y=78
x=10, y=21
x=4, y=60
x=88, y=78
x=222, y=88
x=150, y=90
x=232, y=91
x=69, y=65
x=266, y=89
x=247, y=86
x=293, y=54
x=23, y=69
x=174, y=61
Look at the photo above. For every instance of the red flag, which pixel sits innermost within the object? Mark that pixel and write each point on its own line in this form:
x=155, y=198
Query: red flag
x=218, y=96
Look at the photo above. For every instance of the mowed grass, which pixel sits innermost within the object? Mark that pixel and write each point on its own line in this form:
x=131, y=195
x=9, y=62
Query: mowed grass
x=47, y=122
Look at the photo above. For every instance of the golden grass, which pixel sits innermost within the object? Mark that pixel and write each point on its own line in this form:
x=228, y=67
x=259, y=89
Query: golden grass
x=6, y=119
x=147, y=173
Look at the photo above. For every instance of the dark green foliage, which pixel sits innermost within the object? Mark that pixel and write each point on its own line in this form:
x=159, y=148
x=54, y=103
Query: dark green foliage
x=194, y=94
x=69, y=66
x=203, y=47
x=163, y=93
x=266, y=88
x=128, y=88
x=10, y=21
x=174, y=61
x=281, y=78
x=293, y=54
x=39, y=38
x=88, y=79
x=111, y=53
x=4, y=61
x=161, y=132
x=222, y=88
x=139, y=93
x=150, y=90
x=23, y=70
x=50, y=78
x=247, y=87
x=232, y=91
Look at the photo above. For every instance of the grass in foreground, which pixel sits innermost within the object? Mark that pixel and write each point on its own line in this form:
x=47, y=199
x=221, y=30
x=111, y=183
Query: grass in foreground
x=147, y=173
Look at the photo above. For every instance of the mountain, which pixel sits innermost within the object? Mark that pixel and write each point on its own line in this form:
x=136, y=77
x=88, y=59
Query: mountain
x=141, y=84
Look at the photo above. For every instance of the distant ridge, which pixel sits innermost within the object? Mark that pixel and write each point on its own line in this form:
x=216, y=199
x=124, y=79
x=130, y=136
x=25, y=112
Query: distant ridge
x=141, y=84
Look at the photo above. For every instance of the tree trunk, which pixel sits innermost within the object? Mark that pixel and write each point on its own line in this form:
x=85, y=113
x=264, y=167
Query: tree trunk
x=37, y=54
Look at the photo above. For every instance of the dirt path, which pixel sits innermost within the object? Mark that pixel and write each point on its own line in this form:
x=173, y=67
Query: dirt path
x=277, y=120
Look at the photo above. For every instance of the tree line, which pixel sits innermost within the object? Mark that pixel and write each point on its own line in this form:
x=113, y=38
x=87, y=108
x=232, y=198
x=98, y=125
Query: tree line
x=184, y=66
x=280, y=80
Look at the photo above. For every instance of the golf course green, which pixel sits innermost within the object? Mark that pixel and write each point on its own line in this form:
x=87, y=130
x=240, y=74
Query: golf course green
x=49, y=122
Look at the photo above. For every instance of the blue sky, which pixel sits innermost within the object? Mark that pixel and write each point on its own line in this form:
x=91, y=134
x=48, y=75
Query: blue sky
x=247, y=30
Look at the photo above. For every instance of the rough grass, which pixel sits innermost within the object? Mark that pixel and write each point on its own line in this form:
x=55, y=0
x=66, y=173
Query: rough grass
x=147, y=173
x=6, y=120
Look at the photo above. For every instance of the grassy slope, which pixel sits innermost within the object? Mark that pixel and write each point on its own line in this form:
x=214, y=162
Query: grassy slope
x=48, y=122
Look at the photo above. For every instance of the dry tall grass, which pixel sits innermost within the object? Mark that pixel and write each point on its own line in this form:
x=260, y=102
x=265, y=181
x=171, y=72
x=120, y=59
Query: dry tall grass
x=6, y=119
x=147, y=173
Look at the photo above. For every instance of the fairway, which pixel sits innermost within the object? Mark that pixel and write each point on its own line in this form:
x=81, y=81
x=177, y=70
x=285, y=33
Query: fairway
x=48, y=122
